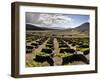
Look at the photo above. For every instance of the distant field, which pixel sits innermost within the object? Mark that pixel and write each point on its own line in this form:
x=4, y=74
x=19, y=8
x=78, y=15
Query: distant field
x=61, y=33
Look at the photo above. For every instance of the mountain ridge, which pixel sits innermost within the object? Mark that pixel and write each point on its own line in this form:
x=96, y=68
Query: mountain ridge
x=82, y=28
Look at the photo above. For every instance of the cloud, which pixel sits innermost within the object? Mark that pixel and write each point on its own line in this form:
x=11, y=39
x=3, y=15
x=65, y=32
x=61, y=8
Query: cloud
x=48, y=19
x=31, y=18
x=54, y=20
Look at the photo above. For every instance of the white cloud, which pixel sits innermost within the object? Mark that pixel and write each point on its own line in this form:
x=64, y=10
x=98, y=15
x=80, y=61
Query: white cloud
x=49, y=20
x=54, y=20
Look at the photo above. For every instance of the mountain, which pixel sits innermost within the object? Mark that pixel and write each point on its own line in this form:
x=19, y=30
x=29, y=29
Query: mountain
x=34, y=27
x=83, y=27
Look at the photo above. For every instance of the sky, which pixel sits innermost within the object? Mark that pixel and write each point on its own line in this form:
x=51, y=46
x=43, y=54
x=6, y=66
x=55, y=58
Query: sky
x=56, y=20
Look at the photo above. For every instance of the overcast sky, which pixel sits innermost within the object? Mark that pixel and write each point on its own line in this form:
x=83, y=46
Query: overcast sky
x=56, y=20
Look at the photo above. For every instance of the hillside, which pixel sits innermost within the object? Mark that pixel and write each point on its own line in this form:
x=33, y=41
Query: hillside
x=83, y=27
x=34, y=27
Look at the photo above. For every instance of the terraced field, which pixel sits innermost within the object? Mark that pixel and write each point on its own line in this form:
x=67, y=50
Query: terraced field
x=45, y=48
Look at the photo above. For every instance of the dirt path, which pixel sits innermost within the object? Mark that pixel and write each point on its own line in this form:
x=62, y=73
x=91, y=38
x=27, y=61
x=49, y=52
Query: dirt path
x=72, y=47
x=41, y=46
x=57, y=60
x=30, y=55
x=56, y=46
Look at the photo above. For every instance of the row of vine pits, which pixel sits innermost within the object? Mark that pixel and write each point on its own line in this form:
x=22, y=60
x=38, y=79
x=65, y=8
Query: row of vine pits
x=56, y=51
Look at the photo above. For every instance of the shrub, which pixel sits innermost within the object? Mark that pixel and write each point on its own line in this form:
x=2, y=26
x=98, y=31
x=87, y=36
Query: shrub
x=29, y=47
x=74, y=57
x=28, y=51
x=63, y=45
x=69, y=42
x=73, y=44
x=86, y=52
x=67, y=50
x=34, y=44
x=49, y=45
x=84, y=46
x=46, y=50
x=43, y=58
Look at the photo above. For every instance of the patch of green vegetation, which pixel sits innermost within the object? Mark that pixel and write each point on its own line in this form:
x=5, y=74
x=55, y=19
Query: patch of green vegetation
x=47, y=47
x=74, y=63
x=45, y=64
x=65, y=54
x=82, y=49
x=33, y=64
x=39, y=53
